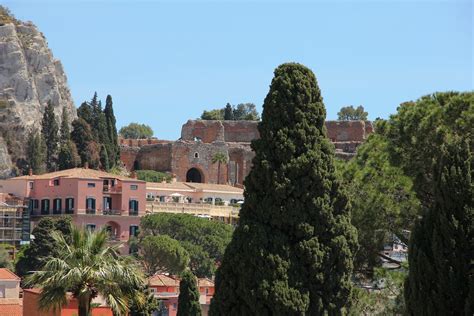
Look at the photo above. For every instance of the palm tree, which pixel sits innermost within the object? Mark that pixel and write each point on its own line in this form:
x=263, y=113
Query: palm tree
x=87, y=267
x=219, y=157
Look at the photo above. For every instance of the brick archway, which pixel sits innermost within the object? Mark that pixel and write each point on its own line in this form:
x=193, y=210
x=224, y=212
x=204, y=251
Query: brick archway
x=194, y=175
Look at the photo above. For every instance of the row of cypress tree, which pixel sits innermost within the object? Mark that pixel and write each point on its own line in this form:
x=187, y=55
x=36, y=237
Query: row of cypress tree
x=93, y=139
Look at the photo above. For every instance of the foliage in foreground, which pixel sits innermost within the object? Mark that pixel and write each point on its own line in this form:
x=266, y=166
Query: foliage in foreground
x=292, y=251
x=87, y=266
x=441, y=253
x=205, y=241
x=136, y=131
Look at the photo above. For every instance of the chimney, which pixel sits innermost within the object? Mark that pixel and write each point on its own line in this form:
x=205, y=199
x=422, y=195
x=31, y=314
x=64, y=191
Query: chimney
x=86, y=165
x=30, y=172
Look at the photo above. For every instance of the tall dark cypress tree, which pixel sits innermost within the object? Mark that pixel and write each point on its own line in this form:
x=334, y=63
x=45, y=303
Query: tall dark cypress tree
x=188, y=300
x=85, y=112
x=36, y=153
x=292, y=251
x=65, y=131
x=441, y=253
x=228, y=112
x=82, y=135
x=50, y=131
x=113, y=148
x=104, y=158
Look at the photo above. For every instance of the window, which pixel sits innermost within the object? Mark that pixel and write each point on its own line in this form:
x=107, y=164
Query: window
x=90, y=227
x=133, y=207
x=44, y=207
x=133, y=230
x=91, y=185
x=174, y=306
x=35, y=204
x=56, y=182
x=69, y=205
x=90, y=205
x=196, y=155
x=57, y=206
x=2, y=291
x=134, y=187
x=31, y=184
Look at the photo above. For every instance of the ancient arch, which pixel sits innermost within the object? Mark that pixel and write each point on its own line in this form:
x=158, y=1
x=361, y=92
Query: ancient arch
x=194, y=175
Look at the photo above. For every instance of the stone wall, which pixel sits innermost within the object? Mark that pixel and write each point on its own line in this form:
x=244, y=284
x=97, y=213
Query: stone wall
x=201, y=140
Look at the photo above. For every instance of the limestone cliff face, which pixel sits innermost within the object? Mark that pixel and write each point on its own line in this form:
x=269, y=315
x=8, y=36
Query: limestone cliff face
x=29, y=77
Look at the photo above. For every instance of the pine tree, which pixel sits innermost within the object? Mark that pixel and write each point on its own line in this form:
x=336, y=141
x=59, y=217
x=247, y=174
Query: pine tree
x=104, y=158
x=113, y=147
x=292, y=251
x=50, y=134
x=65, y=130
x=81, y=135
x=228, y=112
x=188, y=300
x=36, y=153
x=441, y=253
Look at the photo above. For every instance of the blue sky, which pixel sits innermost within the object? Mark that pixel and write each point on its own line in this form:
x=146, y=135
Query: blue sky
x=165, y=62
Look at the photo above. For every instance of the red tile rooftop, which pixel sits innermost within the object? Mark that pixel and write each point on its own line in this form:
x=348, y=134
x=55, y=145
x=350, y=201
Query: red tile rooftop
x=6, y=274
x=163, y=280
x=80, y=173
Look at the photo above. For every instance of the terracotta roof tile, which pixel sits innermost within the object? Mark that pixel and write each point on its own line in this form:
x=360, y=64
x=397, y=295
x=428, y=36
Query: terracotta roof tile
x=163, y=280
x=6, y=274
x=205, y=282
x=83, y=173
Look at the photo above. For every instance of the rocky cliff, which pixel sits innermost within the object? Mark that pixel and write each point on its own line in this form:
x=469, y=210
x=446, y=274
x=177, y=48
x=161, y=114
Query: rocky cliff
x=29, y=77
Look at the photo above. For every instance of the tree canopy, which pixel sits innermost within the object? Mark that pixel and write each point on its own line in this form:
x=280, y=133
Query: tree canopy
x=349, y=113
x=162, y=254
x=204, y=240
x=136, y=131
x=239, y=112
x=50, y=131
x=292, y=250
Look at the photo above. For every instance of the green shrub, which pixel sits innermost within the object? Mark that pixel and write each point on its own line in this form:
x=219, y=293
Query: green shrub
x=153, y=176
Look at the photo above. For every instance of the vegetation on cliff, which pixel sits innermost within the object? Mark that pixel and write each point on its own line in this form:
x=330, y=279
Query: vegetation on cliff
x=292, y=251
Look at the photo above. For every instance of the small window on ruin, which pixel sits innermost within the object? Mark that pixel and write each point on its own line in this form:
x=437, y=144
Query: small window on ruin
x=196, y=155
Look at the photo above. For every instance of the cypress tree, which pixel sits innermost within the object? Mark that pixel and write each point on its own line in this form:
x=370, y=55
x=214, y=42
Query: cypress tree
x=188, y=300
x=65, y=130
x=104, y=158
x=228, y=112
x=36, y=153
x=85, y=112
x=114, y=149
x=68, y=156
x=81, y=135
x=441, y=253
x=50, y=131
x=292, y=251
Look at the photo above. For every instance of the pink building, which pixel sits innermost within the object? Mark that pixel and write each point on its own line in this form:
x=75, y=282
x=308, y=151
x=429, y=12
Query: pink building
x=93, y=198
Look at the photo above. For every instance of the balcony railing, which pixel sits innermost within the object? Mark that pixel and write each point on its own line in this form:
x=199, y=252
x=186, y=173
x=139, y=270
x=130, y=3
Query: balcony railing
x=132, y=213
x=194, y=209
x=90, y=212
x=112, y=189
x=111, y=212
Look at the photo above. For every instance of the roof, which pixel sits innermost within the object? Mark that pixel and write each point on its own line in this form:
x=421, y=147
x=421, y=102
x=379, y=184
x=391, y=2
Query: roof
x=163, y=280
x=205, y=282
x=194, y=187
x=11, y=309
x=6, y=274
x=81, y=173
x=215, y=187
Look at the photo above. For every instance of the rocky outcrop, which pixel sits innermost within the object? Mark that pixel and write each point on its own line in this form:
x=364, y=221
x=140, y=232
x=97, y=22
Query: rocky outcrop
x=29, y=77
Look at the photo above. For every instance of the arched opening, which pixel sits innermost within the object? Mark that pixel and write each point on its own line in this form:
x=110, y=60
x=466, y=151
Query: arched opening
x=194, y=175
x=113, y=229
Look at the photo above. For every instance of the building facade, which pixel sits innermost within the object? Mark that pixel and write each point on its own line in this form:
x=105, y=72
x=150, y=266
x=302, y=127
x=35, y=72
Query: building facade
x=94, y=199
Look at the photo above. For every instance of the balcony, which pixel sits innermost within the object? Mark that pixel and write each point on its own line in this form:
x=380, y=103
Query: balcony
x=132, y=213
x=112, y=189
x=90, y=211
x=112, y=212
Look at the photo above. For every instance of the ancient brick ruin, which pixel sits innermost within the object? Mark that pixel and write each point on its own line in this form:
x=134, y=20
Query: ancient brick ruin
x=190, y=157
